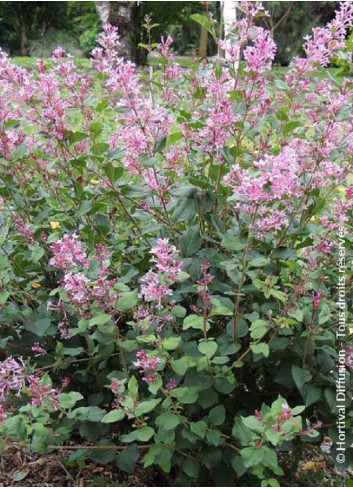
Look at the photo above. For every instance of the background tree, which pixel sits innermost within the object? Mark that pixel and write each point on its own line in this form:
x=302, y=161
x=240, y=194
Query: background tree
x=121, y=15
x=85, y=24
x=23, y=21
x=289, y=22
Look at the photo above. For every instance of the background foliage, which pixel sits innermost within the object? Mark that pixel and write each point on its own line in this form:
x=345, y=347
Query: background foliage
x=289, y=21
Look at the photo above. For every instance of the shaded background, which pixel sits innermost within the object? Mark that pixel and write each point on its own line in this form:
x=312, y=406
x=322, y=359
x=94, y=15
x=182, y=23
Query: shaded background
x=36, y=28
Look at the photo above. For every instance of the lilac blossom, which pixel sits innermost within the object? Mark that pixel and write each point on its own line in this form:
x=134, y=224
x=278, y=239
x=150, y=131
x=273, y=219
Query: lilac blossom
x=68, y=253
x=13, y=376
x=147, y=366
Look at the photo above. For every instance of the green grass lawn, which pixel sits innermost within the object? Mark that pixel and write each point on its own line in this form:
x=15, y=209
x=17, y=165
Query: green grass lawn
x=30, y=63
x=184, y=61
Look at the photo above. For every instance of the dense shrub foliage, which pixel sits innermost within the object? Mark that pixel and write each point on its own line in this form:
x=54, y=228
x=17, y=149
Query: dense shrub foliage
x=171, y=250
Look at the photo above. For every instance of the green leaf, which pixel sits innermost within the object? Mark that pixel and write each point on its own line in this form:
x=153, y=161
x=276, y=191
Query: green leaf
x=195, y=322
x=236, y=95
x=271, y=482
x=72, y=352
x=160, y=145
x=298, y=410
x=127, y=301
x=100, y=319
x=214, y=437
x=241, y=432
x=324, y=314
x=19, y=152
x=297, y=314
x=99, y=148
x=262, y=455
x=199, y=428
x=190, y=242
x=19, y=475
x=232, y=243
x=258, y=329
x=174, y=137
x=185, y=395
x=68, y=400
x=237, y=465
x=208, y=348
x=126, y=460
x=206, y=22
x=277, y=294
x=261, y=348
x=76, y=137
x=133, y=387
x=103, y=457
x=39, y=328
x=171, y=343
x=191, y=467
x=142, y=434
x=96, y=128
x=85, y=207
x=113, y=416
x=282, y=115
x=217, y=415
x=225, y=385
x=300, y=376
x=3, y=297
x=220, y=309
x=179, y=311
x=87, y=413
x=183, y=364
x=258, y=262
x=252, y=423
x=185, y=211
x=37, y=254
x=114, y=172
x=168, y=421
x=146, y=406
x=252, y=456
x=310, y=393
x=290, y=126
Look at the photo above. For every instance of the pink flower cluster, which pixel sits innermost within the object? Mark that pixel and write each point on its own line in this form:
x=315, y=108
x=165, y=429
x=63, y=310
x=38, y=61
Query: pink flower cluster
x=75, y=285
x=260, y=55
x=285, y=415
x=15, y=378
x=349, y=357
x=117, y=388
x=156, y=284
x=164, y=259
x=320, y=47
x=317, y=299
x=3, y=414
x=153, y=290
x=143, y=124
x=274, y=178
x=83, y=291
x=203, y=284
x=43, y=394
x=145, y=317
x=147, y=365
x=38, y=349
x=24, y=230
x=68, y=253
x=13, y=375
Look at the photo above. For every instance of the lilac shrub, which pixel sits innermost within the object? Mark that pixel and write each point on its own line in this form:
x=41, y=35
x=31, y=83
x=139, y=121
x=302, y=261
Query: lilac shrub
x=172, y=247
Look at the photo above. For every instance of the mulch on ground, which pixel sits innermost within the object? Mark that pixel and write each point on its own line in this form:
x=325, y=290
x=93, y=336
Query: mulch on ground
x=21, y=468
